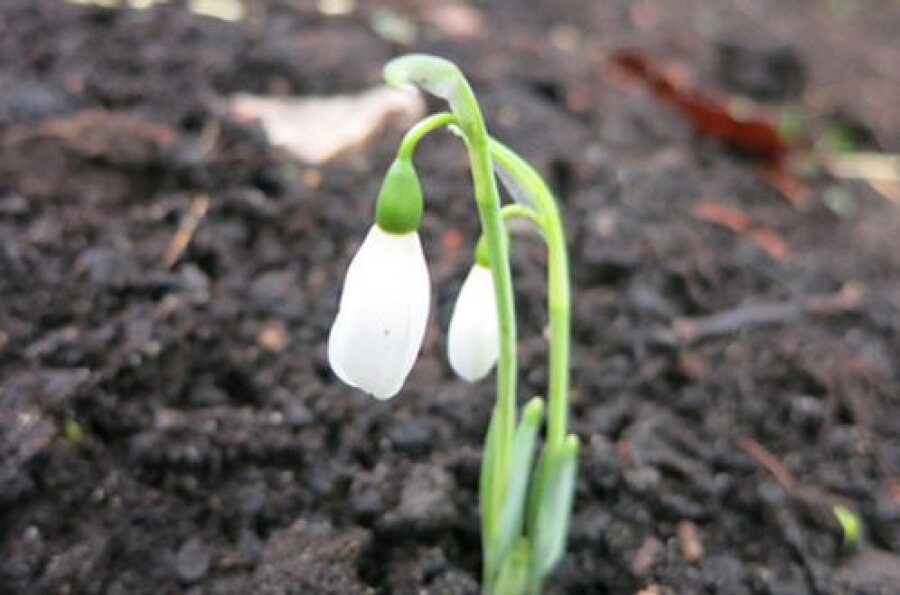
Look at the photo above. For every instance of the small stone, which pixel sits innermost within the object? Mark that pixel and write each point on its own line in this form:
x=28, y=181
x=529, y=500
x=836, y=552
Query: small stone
x=192, y=561
x=365, y=497
x=413, y=436
x=311, y=557
x=274, y=337
x=724, y=573
x=807, y=412
x=645, y=556
x=426, y=502
x=251, y=497
x=298, y=415
x=195, y=283
x=249, y=545
x=106, y=267
x=272, y=287
x=689, y=540
x=643, y=479
x=208, y=395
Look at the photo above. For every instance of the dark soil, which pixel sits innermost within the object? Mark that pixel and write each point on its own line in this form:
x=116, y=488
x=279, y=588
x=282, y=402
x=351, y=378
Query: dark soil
x=174, y=431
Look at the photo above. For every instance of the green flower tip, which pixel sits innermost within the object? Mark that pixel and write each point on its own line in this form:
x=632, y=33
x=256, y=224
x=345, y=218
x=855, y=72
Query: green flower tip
x=399, y=206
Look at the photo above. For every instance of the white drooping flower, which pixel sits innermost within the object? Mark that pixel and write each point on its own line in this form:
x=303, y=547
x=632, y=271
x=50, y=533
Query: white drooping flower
x=382, y=315
x=473, y=340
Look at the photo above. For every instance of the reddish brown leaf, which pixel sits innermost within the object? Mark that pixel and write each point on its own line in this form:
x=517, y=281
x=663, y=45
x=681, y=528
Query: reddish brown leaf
x=786, y=184
x=719, y=214
x=707, y=116
x=771, y=243
x=737, y=222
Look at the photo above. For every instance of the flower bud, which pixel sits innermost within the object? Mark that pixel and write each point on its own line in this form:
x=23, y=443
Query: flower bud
x=399, y=206
x=473, y=340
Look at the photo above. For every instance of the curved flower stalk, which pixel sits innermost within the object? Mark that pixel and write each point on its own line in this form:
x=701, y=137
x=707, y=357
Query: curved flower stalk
x=525, y=507
x=473, y=341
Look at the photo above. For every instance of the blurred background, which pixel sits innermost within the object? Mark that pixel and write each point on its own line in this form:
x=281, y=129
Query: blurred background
x=182, y=185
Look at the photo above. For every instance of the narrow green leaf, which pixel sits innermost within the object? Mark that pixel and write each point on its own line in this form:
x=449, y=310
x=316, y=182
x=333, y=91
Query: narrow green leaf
x=514, y=572
x=486, y=480
x=850, y=524
x=512, y=516
x=538, y=482
x=554, y=510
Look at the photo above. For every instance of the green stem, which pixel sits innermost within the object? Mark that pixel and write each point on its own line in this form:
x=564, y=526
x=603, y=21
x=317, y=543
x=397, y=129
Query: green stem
x=416, y=133
x=558, y=287
x=444, y=79
x=517, y=211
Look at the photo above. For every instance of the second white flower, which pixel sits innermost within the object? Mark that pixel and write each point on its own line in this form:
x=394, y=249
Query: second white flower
x=473, y=340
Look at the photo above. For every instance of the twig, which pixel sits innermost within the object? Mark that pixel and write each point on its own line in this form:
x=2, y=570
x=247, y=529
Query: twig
x=767, y=460
x=728, y=322
x=889, y=190
x=186, y=230
x=865, y=166
x=878, y=170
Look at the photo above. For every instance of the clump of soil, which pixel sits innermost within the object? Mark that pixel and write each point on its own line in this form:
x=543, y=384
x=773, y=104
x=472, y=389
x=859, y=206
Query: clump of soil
x=177, y=429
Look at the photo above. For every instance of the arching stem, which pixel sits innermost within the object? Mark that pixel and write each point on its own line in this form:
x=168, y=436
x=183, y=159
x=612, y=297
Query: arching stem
x=442, y=78
x=420, y=130
x=558, y=287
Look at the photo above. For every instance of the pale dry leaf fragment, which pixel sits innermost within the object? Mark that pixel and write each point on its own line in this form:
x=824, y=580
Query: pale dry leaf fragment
x=335, y=8
x=394, y=26
x=225, y=10
x=318, y=129
x=454, y=19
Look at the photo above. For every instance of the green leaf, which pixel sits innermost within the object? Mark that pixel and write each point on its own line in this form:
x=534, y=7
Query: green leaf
x=554, y=510
x=512, y=516
x=850, y=524
x=538, y=481
x=486, y=481
x=514, y=572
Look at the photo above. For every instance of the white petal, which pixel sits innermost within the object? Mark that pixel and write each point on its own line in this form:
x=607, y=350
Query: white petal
x=473, y=340
x=382, y=315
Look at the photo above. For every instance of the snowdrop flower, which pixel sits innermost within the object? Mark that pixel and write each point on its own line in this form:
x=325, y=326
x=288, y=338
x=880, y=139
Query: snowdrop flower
x=383, y=310
x=473, y=340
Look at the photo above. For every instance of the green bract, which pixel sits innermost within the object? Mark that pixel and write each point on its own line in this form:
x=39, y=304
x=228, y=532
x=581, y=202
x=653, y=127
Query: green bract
x=399, y=206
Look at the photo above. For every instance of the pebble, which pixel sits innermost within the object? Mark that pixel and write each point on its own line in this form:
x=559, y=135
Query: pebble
x=272, y=287
x=298, y=415
x=413, y=436
x=192, y=561
x=689, y=540
x=643, y=479
x=426, y=502
x=807, y=412
x=724, y=573
x=645, y=556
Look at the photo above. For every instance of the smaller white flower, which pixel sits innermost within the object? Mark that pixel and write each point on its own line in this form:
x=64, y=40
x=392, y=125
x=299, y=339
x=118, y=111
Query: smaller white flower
x=382, y=315
x=473, y=340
